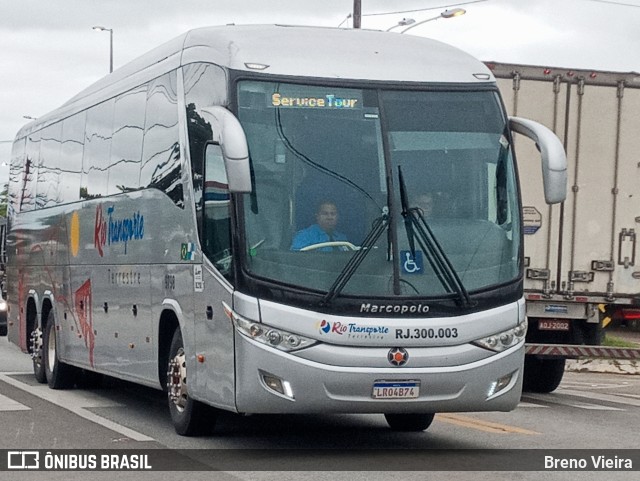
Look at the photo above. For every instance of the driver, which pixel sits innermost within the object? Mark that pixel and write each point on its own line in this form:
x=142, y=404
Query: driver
x=322, y=231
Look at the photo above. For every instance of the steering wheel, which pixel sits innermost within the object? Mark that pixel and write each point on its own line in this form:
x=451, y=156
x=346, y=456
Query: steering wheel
x=320, y=245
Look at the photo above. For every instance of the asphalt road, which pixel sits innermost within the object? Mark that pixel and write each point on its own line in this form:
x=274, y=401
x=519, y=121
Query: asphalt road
x=590, y=411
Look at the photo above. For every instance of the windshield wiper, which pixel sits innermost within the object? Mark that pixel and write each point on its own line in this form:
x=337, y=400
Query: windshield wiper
x=415, y=223
x=379, y=226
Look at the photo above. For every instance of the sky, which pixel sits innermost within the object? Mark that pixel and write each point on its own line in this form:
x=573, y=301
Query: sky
x=49, y=51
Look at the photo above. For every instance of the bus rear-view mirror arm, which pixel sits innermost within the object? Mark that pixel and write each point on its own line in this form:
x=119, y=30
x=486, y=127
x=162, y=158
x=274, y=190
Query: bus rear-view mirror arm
x=228, y=132
x=554, y=158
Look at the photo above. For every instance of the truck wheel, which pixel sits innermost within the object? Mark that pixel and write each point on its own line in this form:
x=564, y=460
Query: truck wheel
x=59, y=375
x=409, y=422
x=37, y=356
x=190, y=417
x=542, y=375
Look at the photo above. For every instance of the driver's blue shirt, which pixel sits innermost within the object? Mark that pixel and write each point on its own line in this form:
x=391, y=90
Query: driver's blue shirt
x=315, y=235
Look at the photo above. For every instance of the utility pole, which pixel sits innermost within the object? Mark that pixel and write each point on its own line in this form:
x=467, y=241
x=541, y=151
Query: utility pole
x=357, y=13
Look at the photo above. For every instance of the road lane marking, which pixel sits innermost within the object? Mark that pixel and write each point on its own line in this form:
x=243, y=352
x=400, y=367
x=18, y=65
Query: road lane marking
x=77, y=402
x=593, y=385
x=593, y=407
x=561, y=401
x=527, y=405
x=624, y=394
x=602, y=397
x=8, y=404
x=479, y=424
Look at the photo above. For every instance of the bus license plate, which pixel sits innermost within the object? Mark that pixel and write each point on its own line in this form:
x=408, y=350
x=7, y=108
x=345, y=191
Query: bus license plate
x=553, y=325
x=396, y=389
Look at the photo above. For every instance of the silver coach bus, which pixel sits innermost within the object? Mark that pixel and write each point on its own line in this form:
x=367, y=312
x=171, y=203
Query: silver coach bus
x=152, y=219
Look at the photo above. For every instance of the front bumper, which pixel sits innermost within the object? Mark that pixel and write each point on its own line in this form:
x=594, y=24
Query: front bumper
x=318, y=387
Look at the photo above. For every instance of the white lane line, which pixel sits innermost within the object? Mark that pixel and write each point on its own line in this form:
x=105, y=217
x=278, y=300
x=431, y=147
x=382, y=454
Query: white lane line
x=627, y=395
x=8, y=404
x=523, y=404
x=76, y=402
x=592, y=385
x=593, y=407
x=601, y=397
x=562, y=401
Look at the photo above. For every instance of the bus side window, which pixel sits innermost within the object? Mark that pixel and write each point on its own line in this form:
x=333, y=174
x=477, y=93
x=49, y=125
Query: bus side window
x=160, y=167
x=216, y=224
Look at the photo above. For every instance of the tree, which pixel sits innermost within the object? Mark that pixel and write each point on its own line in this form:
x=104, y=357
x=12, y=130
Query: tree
x=4, y=196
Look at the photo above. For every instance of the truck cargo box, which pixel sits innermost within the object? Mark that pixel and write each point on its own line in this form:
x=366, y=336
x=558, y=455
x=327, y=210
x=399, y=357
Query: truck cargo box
x=586, y=247
x=582, y=263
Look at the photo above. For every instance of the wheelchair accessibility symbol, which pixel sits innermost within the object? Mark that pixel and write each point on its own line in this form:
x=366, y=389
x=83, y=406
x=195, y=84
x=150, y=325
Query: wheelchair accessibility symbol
x=410, y=264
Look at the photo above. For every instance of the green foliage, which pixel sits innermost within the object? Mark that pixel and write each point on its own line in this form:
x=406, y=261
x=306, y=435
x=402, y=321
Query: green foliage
x=613, y=341
x=4, y=196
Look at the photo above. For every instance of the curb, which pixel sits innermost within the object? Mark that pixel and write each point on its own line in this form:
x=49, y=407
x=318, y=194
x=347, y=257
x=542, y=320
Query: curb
x=610, y=366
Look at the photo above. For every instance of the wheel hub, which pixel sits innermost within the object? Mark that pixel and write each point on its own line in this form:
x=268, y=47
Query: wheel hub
x=177, y=380
x=36, y=344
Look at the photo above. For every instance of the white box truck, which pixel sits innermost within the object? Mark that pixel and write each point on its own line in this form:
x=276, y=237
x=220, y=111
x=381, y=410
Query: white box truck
x=582, y=265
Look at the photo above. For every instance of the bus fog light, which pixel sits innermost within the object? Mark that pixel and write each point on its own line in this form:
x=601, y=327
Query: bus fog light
x=278, y=385
x=499, y=384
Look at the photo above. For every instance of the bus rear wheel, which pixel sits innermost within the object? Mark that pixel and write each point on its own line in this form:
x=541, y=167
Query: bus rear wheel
x=189, y=417
x=37, y=355
x=413, y=422
x=59, y=375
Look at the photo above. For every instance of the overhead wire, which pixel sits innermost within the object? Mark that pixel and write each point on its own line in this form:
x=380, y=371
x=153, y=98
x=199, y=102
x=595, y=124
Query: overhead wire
x=423, y=9
x=611, y=2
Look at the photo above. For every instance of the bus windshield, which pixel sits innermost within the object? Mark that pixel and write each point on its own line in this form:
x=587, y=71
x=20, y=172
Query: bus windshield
x=329, y=165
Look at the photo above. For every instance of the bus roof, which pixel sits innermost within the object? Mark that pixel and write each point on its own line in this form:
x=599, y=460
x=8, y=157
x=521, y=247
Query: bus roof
x=331, y=53
x=334, y=53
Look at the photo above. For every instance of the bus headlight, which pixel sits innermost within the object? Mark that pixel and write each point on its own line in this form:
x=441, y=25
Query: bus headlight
x=282, y=340
x=504, y=340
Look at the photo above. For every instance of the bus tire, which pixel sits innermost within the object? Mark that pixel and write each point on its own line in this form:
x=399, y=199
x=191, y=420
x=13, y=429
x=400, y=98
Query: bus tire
x=37, y=356
x=409, y=422
x=542, y=375
x=189, y=417
x=59, y=375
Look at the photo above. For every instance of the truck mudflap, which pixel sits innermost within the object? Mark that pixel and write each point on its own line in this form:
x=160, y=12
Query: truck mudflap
x=568, y=351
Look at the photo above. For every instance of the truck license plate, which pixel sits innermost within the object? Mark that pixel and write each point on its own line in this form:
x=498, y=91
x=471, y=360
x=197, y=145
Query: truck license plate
x=553, y=325
x=396, y=389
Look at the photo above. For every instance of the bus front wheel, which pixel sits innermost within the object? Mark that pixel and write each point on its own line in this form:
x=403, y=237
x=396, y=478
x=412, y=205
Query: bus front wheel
x=409, y=422
x=189, y=417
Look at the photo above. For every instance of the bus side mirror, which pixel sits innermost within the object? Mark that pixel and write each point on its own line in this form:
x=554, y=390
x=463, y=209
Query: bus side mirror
x=554, y=159
x=228, y=132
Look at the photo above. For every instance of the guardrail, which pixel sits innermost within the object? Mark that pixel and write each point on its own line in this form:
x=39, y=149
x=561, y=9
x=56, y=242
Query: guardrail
x=580, y=352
